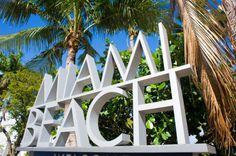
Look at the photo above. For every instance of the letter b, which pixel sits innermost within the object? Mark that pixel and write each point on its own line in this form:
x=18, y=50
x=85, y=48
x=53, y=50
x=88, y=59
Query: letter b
x=33, y=128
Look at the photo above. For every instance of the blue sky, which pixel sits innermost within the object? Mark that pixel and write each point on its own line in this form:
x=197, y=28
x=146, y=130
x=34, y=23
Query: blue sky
x=120, y=39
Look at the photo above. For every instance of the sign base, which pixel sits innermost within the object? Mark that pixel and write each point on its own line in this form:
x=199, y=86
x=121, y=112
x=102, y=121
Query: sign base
x=177, y=149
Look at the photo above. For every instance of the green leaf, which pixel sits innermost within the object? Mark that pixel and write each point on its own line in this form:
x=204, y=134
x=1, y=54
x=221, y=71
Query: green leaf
x=165, y=135
x=172, y=48
x=149, y=89
x=129, y=123
x=165, y=124
x=153, y=86
x=53, y=133
x=194, y=92
x=168, y=134
x=161, y=86
x=152, y=119
x=84, y=106
x=156, y=141
x=149, y=124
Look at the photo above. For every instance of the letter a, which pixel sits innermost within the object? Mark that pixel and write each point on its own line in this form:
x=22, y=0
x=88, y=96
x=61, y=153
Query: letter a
x=88, y=75
x=73, y=122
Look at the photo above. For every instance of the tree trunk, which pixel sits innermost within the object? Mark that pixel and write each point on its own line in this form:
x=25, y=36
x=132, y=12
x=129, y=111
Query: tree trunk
x=73, y=46
x=11, y=149
x=131, y=42
x=204, y=80
x=71, y=56
x=132, y=34
x=230, y=11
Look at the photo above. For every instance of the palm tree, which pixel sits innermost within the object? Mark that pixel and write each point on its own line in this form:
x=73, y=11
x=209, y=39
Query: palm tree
x=68, y=25
x=207, y=49
x=133, y=15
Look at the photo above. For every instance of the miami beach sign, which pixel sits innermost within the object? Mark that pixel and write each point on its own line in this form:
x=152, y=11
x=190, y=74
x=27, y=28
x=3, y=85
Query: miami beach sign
x=67, y=89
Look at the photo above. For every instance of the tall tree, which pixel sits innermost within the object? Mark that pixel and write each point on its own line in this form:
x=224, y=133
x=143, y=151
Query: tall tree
x=7, y=64
x=19, y=95
x=207, y=49
x=133, y=15
x=18, y=88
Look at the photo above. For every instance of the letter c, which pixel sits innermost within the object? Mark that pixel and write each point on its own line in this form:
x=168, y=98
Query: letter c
x=93, y=115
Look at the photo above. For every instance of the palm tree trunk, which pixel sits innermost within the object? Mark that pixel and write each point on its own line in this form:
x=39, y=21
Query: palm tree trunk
x=230, y=11
x=73, y=46
x=204, y=80
x=132, y=34
x=71, y=56
x=131, y=42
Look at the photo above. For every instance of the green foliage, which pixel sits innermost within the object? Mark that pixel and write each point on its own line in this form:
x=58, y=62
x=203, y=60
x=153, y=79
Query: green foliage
x=19, y=96
x=10, y=62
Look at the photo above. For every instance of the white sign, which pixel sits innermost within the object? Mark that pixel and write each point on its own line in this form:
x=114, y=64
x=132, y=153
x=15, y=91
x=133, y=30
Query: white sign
x=67, y=88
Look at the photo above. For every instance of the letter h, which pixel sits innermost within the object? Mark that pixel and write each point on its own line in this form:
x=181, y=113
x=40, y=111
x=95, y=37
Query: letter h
x=140, y=109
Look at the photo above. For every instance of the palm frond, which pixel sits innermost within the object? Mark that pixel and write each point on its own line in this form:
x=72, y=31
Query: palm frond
x=19, y=12
x=47, y=59
x=214, y=71
x=38, y=38
x=16, y=11
x=64, y=9
x=122, y=14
